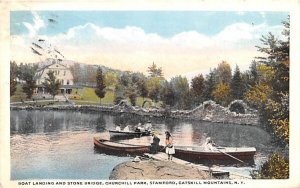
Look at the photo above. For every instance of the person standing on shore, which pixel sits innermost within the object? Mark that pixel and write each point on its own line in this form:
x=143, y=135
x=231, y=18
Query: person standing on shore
x=170, y=150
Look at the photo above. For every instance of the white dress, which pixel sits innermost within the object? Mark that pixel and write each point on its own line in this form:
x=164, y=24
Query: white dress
x=170, y=150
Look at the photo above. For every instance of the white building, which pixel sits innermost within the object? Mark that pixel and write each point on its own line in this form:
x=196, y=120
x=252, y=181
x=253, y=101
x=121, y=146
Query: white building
x=61, y=72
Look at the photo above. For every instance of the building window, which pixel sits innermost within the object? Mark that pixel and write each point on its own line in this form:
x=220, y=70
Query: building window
x=68, y=82
x=62, y=82
x=64, y=73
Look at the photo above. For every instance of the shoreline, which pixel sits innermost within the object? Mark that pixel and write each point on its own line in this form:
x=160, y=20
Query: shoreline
x=215, y=113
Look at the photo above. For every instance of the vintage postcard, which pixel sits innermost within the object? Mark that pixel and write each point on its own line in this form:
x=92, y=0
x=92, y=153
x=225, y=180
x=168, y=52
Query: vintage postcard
x=127, y=95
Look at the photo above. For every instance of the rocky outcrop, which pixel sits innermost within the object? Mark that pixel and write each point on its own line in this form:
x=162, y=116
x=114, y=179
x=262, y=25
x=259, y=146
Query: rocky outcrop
x=207, y=111
x=152, y=169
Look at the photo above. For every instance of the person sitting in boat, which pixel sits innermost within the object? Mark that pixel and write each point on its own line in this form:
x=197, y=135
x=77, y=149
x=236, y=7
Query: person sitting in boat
x=118, y=128
x=154, y=148
x=126, y=129
x=170, y=150
x=209, y=144
x=139, y=128
x=148, y=126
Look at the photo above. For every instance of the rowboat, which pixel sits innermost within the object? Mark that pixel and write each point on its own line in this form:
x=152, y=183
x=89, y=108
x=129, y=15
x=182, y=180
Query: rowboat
x=110, y=147
x=115, y=133
x=218, y=153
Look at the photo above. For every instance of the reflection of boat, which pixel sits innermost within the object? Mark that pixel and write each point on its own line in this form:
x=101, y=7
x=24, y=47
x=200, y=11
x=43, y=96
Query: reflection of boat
x=219, y=153
x=110, y=147
x=119, y=133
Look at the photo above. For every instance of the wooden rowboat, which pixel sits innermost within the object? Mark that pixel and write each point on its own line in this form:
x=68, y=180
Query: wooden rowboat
x=110, y=147
x=218, y=153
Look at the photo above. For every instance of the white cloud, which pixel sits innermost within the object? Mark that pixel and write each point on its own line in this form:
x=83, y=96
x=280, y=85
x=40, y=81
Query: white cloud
x=38, y=23
x=131, y=48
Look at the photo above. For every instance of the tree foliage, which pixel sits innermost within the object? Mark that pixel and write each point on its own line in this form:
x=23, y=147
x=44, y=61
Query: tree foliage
x=221, y=94
x=223, y=73
x=100, y=85
x=13, y=77
x=198, y=88
x=51, y=84
x=237, y=85
x=276, y=167
x=27, y=74
x=155, y=71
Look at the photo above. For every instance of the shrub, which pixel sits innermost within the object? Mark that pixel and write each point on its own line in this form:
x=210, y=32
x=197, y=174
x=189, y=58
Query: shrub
x=276, y=167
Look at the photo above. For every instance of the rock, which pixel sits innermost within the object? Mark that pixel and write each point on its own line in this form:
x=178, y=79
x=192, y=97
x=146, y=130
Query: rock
x=152, y=169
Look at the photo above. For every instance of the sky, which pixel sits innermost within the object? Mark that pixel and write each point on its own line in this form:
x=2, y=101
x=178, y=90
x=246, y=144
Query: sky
x=181, y=42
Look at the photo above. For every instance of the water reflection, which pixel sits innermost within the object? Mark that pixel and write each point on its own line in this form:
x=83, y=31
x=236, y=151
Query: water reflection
x=61, y=140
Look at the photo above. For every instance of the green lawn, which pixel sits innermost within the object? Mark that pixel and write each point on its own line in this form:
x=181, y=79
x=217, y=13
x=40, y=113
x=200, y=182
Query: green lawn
x=88, y=96
x=18, y=95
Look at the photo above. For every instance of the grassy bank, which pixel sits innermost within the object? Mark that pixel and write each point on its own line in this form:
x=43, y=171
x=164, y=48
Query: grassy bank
x=83, y=96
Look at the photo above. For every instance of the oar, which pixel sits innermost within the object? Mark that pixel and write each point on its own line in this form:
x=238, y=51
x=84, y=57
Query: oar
x=231, y=156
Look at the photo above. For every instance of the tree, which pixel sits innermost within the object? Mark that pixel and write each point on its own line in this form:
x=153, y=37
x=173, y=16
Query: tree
x=155, y=71
x=237, y=85
x=154, y=86
x=258, y=95
x=142, y=88
x=276, y=167
x=254, y=76
x=181, y=90
x=223, y=73
x=132, y=94
x=221, y=94
x=27, y=74
x=13, y=77
x=51, y=84
x=110, y=79
x=198, y=88
x=209, y=85
x=119, y=93
x=100, y=85
x=167, y=94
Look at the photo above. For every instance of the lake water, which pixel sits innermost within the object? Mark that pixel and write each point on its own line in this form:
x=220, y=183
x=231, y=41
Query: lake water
x=59, y=144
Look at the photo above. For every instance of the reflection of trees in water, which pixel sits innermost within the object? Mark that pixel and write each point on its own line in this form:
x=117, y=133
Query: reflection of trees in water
x=100, y=124
x=53, y=122
x=128, y=119
x=170, y=124
x=27, y=125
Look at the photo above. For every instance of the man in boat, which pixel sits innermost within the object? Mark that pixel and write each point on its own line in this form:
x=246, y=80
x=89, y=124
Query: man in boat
x=126, y=129
x=118, y=128
x=209, y=144
x=139, y=128
x=154, y=148
x=148, y=126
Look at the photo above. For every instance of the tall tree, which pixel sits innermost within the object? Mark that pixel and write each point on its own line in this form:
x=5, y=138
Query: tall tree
x=198, y=88
x=167, y=94
x=154, y=86
x=119, y=93
x=221, y=94
x=210, y=84
x=237, y=85
x=27, y=74
x=182, y=91
x=142, y=88
x=100, y=85
x=13, y=77
x=51, y=84
x=254, y=76
x=223, y=73
x=155, y=71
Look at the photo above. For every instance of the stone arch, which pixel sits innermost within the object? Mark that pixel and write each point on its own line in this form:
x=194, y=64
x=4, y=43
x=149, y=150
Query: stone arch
x=238, y=106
